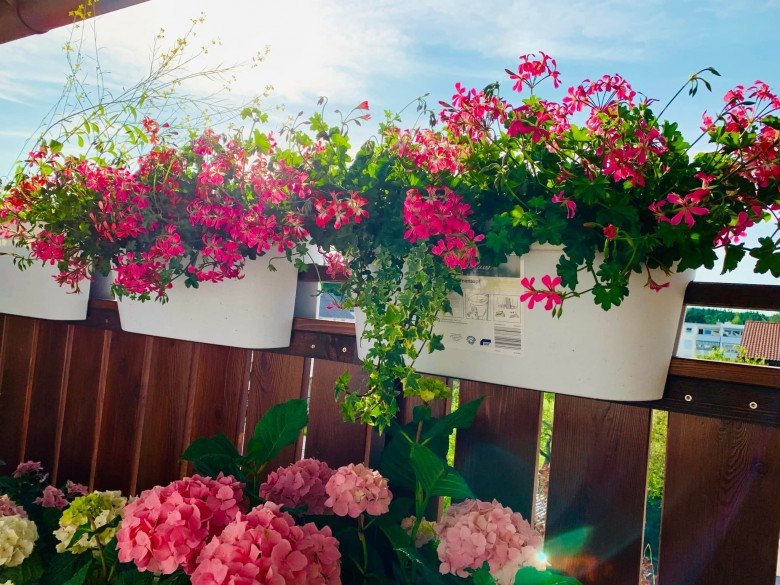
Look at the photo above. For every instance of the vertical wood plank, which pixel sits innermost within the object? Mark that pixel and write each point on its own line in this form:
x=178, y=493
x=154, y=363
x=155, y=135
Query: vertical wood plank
x=721, y=507
x=596, y=500
x=165, y=415
x=120, y=410
x=222, y=374
x=80, y=414
x=505, y=437
x=18, y=355
x=329, y=438
x=46, y=386
x=275, y=378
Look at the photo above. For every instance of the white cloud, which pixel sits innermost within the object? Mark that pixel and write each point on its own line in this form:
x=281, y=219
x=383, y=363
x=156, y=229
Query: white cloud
x=339, y=48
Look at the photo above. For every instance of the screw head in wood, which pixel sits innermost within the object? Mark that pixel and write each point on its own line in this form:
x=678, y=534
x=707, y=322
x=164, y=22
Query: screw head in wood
x=343, y=350
x=688, y=398
x=753, y=405
x=312, y=346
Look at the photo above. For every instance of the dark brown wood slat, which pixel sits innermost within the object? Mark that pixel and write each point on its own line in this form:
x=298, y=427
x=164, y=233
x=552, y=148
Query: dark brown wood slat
x=329, y=438
x=725, y=372
x=18, y=356
x=47, y=381
x=324, y=326
x=82, y=397
x=275, y=378
x=222, y=374
x=498, y=454
x=596, y=499
x=123, y=397
x=165, y=415
x=721, y=507
x=733, y=296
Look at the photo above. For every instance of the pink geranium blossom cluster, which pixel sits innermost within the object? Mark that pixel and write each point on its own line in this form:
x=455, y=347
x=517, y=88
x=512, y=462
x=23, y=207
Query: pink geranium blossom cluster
x=429, y=150
x=474, y=532
x=441, y=213
x=166, y=527
x=196, y=211
x=300, y=484
x=265, y=546
x=355, y=489
x=549, y=294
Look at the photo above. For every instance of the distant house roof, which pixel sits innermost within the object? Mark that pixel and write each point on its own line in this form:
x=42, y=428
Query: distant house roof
x=761, y=339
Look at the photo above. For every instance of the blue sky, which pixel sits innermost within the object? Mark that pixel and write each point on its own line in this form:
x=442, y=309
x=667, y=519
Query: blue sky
x=389, y=52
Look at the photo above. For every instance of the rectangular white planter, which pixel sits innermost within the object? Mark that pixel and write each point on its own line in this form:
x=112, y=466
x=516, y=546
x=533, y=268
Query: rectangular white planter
x=620, y=354
x=253, y=312
x=34, y=292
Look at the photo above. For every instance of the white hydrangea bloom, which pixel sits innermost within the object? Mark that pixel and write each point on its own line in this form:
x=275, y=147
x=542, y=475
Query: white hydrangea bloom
x=17, y=539
x=98, y=509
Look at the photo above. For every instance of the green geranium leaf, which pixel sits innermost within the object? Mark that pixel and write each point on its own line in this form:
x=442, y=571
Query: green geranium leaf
x=767, y=256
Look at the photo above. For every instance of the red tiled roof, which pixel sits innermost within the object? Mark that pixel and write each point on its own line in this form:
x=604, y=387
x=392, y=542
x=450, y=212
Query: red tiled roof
x=761, y=339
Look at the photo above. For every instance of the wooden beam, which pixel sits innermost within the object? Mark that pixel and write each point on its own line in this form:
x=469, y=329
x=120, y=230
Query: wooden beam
x=23, y=18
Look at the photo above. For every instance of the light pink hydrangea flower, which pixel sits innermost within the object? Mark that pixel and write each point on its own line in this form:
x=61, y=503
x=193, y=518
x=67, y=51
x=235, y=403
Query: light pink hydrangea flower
x=30, y=468
x=299, y=484
x=355, y=489
x=474, y=531
x=166, y=527
x=76, y=489
x=52, y=498
x=426, y=532
x=10, y=508
x=266, y=547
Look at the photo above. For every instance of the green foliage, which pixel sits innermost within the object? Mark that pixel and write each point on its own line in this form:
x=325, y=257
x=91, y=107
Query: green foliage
x=279, y=427
x=718, y=354
x=714, y=316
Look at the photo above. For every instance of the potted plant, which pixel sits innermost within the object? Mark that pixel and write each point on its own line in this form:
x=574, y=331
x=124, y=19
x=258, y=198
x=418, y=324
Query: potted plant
x=46, y=213
x=596, y=196
x=31, y=236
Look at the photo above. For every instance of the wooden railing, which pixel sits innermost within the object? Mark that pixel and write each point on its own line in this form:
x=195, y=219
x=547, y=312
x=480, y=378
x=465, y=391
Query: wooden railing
x=116, y=409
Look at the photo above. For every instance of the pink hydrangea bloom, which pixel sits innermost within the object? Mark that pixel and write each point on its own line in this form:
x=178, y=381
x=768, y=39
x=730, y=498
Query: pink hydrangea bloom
x=266, y=547
x=299, y=484
x=10, y=508
x=30, y=468
x=76, y=489
x=355, y=489
x=52, y=498
x=166, y=527
x=474, y=531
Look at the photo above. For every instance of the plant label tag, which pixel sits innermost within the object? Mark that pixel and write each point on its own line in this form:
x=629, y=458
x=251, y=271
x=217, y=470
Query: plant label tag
x=488, y=317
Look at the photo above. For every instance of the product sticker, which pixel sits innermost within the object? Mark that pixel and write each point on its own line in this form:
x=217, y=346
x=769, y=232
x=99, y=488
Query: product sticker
x=488, y=317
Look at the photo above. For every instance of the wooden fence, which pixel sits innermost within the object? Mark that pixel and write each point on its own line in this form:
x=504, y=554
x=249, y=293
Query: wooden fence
x=115, y=410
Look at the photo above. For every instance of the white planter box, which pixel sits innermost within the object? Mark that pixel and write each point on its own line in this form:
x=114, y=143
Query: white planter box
x=34, y=292
x=620, y=354
x=254, y=312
